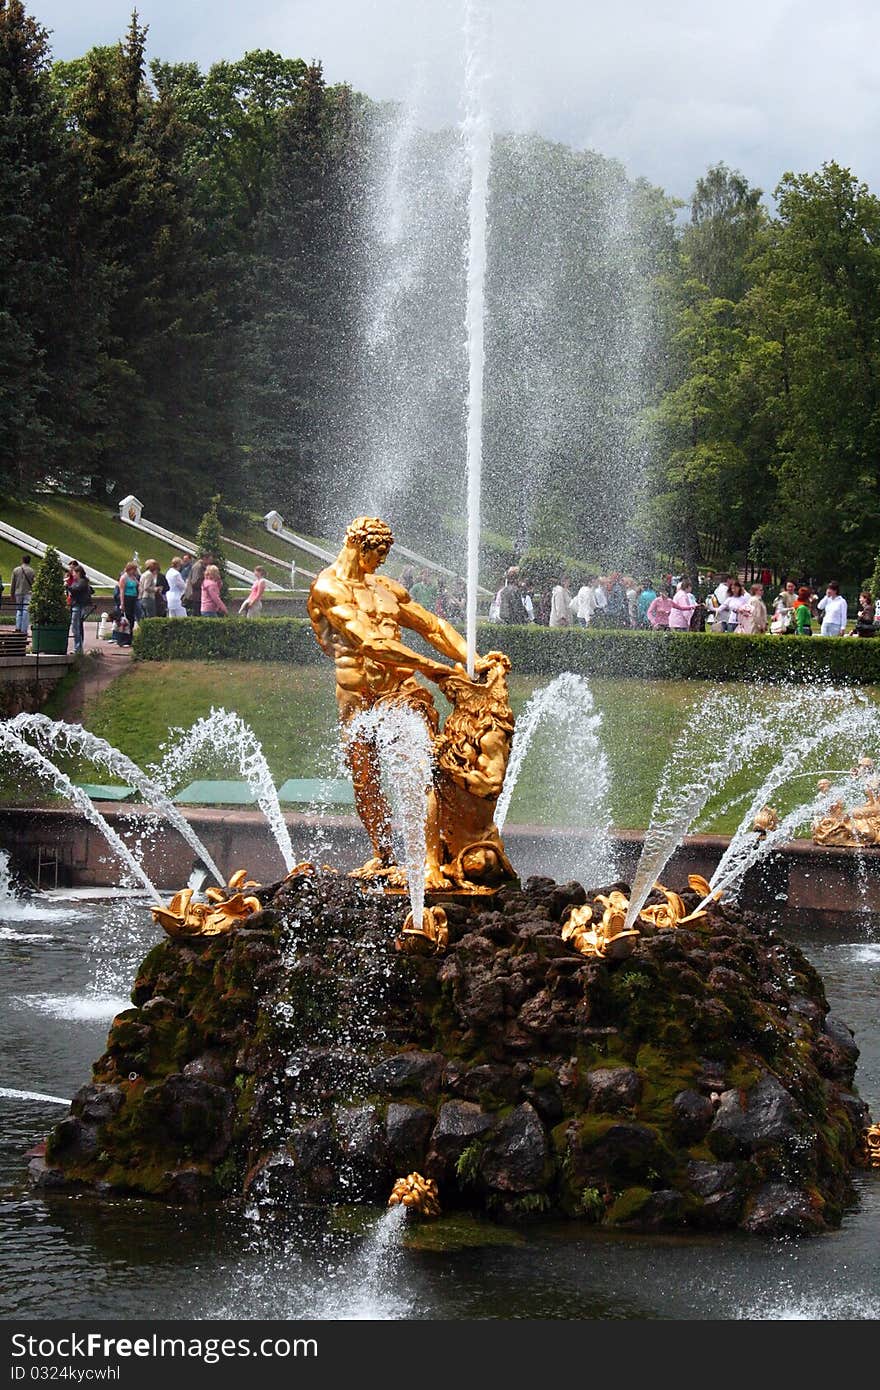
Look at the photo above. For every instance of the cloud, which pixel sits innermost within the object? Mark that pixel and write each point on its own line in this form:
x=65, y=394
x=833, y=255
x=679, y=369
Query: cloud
x=667, y=86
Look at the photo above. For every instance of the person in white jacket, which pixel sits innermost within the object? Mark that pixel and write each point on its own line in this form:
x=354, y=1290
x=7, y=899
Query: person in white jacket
x=834, y=611
x=584, y=603
x=176, y=586
x=560, y=604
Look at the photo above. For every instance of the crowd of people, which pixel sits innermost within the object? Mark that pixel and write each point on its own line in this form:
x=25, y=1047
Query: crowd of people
x=721, y=604
x=187, y=589
x=192, y=588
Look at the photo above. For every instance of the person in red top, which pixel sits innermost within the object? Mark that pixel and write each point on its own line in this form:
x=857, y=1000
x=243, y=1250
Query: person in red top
x=212, y=604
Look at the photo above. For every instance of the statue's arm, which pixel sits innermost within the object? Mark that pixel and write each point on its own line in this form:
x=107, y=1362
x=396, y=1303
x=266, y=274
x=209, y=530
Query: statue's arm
x=434, y=629
x=359, y=632
x=320, y=623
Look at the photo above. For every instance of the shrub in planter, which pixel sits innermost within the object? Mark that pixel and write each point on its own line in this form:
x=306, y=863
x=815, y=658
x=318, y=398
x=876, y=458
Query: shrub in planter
x=49, y=614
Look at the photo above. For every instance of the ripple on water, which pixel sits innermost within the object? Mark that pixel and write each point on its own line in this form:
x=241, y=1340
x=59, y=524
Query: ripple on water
x=79, y=1008
x=9, y=934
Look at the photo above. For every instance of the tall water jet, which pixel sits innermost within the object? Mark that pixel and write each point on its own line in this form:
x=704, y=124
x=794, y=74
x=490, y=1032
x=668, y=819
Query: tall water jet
x=478, y=139
x=37, y=762
x=224, y=736
x=57, y=737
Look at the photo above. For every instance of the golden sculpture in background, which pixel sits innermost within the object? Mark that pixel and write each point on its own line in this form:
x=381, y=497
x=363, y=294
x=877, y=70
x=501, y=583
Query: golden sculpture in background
x=220, y=914
x=357, y=616
x=417, y=1194
x=858, y=826
x=870, y=1154
x=767, y=819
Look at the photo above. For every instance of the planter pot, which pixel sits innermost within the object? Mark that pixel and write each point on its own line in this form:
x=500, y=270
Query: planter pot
x=50, y=639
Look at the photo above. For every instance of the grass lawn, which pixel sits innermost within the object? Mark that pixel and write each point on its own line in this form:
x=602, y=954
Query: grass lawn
x=292, y=711
x=81, y=528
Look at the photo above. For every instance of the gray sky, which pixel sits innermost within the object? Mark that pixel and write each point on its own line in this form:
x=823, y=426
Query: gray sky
x=667, y=86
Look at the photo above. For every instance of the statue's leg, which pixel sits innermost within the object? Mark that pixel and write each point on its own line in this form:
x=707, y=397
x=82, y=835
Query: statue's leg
x=436, y=878
x=371, y=805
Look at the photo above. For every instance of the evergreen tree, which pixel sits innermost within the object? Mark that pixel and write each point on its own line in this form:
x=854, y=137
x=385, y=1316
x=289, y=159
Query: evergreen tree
x=44, y=329
x=293, y=341
x=48, y=606
x=209, y=541
x=163, y=425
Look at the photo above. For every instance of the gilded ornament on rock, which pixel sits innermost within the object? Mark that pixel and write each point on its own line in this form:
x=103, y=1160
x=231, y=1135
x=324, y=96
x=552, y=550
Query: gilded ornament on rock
x=432, y=936
x=416, y=1194
x=221, y=913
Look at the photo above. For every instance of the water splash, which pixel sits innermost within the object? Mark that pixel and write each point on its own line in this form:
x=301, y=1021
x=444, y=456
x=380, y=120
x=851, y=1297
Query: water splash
x=478, y=140
x=75, y=1008
x=38, y=763
x=224, y=737
x=684, y=791
x=574, y=771
x=16, y=909
x=375, y=1268
x=403, y=747
x=750, y=848
x=56, y=737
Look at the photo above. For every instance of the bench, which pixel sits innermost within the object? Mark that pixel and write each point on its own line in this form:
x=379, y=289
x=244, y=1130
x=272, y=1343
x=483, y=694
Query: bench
x=13, y=643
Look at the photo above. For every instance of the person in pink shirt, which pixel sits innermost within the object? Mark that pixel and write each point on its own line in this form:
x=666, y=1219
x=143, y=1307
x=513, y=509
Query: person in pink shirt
x=683, y=605
x=659, y=610
x=253, y=604
x=212, y=604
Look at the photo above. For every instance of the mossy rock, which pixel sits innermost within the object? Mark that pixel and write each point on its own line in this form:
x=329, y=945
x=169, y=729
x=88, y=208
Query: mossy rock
x=627, y=1205
x=458, y=1231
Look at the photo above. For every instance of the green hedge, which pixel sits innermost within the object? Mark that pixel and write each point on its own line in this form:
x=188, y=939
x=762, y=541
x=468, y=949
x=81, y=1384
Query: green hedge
x=227, y=639
x=538, y=650
x=685, y=655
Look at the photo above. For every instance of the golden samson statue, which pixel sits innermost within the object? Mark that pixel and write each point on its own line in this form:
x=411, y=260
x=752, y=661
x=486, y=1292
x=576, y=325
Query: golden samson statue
x=358, y=615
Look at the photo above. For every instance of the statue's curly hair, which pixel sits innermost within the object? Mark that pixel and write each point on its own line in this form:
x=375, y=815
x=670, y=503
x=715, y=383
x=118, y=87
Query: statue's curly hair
x=369, y=533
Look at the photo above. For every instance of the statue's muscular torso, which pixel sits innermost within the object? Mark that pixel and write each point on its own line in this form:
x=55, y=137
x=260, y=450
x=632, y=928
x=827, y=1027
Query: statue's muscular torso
x=351, y=619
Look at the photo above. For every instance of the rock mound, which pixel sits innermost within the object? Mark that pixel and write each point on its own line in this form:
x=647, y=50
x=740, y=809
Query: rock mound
x=701, y=1082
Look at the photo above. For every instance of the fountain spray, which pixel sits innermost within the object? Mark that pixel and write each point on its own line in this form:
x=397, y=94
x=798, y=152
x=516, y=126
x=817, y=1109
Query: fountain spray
x=478, y=141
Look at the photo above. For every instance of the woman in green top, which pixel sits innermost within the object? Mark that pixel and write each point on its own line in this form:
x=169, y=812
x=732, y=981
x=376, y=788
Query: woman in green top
x=803, y=618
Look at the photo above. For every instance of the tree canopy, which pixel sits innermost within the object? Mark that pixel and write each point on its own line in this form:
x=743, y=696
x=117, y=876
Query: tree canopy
x=242, y=280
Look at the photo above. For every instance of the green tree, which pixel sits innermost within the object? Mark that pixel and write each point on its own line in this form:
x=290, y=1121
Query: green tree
x=714, y=437
x=718, y=246
x=817, y=308
x=294, y=343
x=209, y=541
x=45, y=330
x=163, y=423
x=232, y=114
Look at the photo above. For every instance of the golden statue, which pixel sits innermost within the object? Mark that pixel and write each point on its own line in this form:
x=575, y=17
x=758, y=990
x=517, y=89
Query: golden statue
x=849, y=829
x=357, y=616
